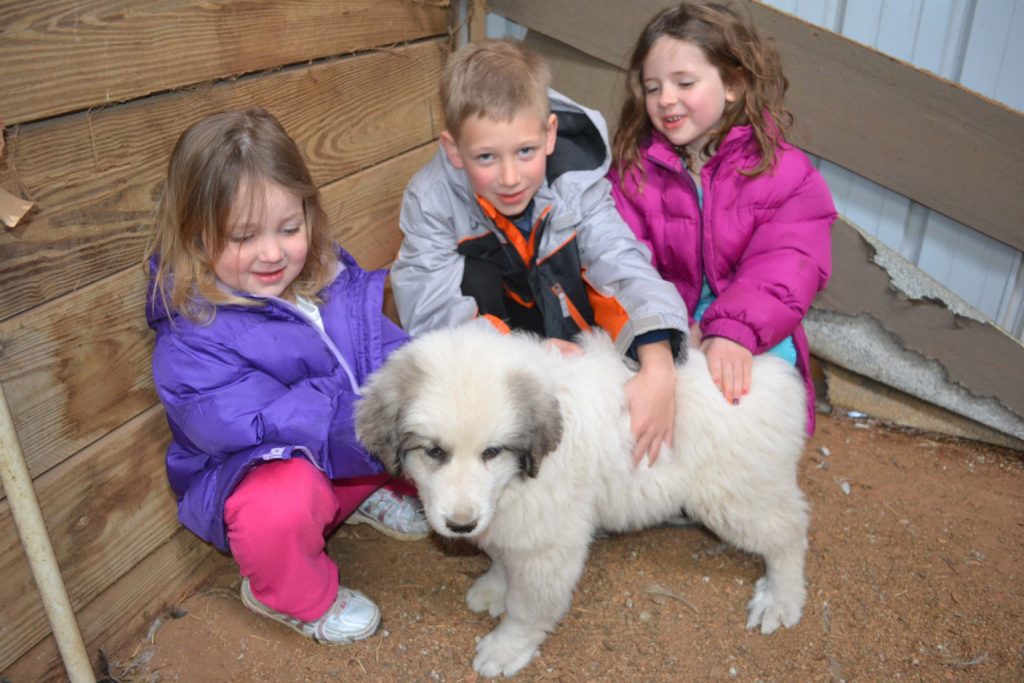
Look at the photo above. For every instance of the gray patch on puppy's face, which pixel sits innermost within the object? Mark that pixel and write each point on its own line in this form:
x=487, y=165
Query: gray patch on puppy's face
x=540, y=420
x=380, y=411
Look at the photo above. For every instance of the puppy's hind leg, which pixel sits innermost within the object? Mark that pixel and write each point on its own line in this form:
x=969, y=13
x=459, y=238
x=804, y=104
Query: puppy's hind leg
x=487, y=594
x=780, y=594
x=777, y=532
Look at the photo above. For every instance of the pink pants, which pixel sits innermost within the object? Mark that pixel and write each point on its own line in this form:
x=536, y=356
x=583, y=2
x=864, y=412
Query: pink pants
x=277, y=519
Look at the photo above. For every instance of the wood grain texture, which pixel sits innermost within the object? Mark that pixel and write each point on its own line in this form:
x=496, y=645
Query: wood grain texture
x=581, y=76
x=364, y=208
x=78, y=367
x=123, y=612
x=94, y=502
x=60, y=56
x=931, y=140
x=105, y=510
x=96, y=178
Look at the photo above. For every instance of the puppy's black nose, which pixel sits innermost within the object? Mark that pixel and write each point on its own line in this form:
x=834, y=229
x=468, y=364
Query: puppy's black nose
x=460, y=528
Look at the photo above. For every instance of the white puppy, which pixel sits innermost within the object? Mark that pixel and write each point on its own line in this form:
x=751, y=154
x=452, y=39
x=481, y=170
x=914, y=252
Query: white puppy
x=526, y=453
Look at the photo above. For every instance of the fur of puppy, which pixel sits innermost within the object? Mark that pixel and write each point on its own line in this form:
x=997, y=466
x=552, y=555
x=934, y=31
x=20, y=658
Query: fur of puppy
x=526, y=453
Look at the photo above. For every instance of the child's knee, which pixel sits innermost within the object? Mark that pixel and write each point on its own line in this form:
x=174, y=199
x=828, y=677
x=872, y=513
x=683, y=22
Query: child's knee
x=281, y=495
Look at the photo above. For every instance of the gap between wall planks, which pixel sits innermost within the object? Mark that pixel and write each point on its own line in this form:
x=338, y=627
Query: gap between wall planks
x=94, y=214
x=978, y=356
x=927, y=138
x=76, y=368
x=126, y=51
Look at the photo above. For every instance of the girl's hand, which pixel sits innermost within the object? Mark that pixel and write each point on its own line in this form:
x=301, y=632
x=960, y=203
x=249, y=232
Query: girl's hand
x=651, y=394
x=567, y=348
x=730, y=365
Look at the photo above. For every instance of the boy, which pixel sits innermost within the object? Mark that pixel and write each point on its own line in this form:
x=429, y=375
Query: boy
x=505, y=225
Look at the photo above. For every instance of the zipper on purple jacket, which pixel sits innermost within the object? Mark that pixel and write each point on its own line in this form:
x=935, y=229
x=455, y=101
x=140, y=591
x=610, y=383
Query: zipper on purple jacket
x=327, y=340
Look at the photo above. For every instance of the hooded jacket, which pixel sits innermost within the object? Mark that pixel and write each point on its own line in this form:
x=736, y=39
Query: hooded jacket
x=763, y=243
x=440, y=215
x=262, y=383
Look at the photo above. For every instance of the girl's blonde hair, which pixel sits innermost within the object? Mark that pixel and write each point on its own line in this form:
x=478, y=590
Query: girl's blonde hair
x=210, y=162
x=745, y=62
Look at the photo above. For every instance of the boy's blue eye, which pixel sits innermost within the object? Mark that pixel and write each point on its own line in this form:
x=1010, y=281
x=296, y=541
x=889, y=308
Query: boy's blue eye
x=526, y=151
x=485, y=158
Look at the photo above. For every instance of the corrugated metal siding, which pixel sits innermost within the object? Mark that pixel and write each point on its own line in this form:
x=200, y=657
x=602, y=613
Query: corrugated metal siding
x=980, y=44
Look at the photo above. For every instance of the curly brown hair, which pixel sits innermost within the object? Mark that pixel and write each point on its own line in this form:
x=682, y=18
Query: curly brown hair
x=745, y=61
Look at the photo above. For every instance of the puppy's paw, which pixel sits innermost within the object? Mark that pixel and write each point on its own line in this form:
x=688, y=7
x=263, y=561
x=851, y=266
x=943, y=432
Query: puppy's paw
x=487, y=594
x=506, y=650
x=771, y=607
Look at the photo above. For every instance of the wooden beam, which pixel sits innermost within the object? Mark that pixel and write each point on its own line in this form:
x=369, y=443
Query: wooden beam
x=105, y=510
x=95, y=178
x=931, y=140
x=65, y=56
x=586, y=79
x=477, y=20
x=364, y=208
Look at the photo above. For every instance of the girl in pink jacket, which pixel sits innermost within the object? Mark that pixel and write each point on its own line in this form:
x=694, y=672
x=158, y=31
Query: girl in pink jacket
x=736, y=217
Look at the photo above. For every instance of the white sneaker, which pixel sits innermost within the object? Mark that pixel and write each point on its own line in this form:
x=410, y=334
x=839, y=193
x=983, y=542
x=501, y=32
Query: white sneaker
x=393, y=514
x=351, y=617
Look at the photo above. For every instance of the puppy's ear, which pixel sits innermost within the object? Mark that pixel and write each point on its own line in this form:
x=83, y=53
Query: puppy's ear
x=380, y=411
x=540, y=416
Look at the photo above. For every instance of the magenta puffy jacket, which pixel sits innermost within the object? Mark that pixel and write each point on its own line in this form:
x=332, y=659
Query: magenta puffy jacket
x=763, y=243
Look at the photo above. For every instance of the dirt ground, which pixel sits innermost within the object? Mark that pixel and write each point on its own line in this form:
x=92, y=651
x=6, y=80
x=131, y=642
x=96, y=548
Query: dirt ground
x=914, y=573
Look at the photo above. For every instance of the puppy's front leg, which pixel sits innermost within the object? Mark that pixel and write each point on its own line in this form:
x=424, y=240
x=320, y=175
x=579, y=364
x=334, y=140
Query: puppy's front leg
x=540, y=587
x=487, y=594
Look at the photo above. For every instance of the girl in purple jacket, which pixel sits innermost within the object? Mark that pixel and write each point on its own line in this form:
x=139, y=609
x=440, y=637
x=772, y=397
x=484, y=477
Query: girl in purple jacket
x=264, y=332
x=736, y=217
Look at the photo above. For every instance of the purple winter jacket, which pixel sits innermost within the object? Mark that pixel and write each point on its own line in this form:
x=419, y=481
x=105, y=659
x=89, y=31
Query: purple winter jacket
x=763, y=243
x=263, y=383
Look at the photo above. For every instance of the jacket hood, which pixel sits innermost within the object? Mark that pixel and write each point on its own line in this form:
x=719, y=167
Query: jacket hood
x=582, y=142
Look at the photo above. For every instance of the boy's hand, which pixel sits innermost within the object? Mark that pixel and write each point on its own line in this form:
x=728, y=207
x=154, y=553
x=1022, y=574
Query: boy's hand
x=651, y=394
x=566, y=347
x=730, y=365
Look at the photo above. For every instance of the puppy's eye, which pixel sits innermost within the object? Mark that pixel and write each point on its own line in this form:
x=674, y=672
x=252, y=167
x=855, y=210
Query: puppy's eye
x=491, y=452
x=435, y=452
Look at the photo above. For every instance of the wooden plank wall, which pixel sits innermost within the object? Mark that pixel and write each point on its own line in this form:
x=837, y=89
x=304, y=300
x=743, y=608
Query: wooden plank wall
x=95, y=94
x=895, y=124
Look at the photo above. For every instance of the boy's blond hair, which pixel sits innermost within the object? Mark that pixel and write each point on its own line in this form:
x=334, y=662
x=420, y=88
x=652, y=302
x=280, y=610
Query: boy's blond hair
x=495, y=79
